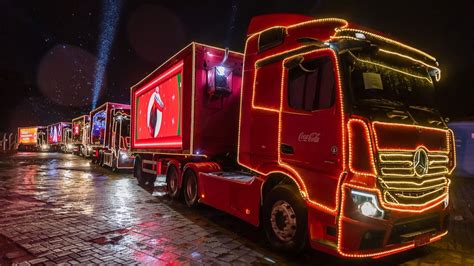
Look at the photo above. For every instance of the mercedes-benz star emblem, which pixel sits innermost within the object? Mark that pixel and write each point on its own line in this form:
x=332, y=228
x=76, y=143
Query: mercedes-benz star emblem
x=420, y=162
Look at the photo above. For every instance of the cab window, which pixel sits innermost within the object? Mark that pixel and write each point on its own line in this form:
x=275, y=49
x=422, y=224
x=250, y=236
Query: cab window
x=311, y=85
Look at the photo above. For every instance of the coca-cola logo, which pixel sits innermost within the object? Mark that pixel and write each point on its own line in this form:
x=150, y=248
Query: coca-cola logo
x=310, y=137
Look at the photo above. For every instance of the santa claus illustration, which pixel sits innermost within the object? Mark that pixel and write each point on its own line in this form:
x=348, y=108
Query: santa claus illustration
x=155, y=112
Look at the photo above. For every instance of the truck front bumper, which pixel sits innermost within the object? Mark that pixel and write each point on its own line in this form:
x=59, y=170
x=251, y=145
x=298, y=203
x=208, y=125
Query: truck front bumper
x=397, y=231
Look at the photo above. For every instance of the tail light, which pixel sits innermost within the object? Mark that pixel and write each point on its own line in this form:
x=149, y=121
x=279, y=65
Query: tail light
x=361, y=158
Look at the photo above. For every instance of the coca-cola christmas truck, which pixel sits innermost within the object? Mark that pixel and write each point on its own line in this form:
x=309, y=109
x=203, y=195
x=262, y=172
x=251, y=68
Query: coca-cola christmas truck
x=80, y=135
x=32, y=139
x=110, y=136
x=59, y=136
x=323, y=133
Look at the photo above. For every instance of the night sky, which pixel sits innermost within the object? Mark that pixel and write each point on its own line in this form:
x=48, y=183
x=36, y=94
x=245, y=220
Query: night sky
x=49, y=49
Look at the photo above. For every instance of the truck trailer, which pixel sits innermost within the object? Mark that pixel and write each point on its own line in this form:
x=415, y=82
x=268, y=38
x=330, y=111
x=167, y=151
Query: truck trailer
x=109, y=141
x=32, y=139
x=59, y=136
x=80, y=135
x=322, y=133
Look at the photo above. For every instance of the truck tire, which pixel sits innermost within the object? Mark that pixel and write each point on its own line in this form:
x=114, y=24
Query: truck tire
x=172, y=182
x=190, y=188
x=115, y=169
x=139, y=174
x=285, y=219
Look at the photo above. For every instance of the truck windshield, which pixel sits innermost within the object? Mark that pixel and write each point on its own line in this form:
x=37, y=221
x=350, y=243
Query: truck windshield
x=384, y=80
x=126, y=127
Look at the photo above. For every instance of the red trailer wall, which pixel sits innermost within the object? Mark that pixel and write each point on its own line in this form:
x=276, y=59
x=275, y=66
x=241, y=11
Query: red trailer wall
x=28, y=136
x=216, y=118
x=55, y=133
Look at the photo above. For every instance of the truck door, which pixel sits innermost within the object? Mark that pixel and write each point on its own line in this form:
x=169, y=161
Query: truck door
x=311, y=138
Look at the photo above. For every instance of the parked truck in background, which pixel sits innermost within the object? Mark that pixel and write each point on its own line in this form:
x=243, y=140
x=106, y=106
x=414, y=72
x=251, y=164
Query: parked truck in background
x=59, y=136
x=110, y=136
x=80, y=135
x=32, y=139
x=323, y=133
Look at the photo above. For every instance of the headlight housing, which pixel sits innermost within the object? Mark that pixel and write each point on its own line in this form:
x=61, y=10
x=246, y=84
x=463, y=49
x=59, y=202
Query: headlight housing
x=367, y=204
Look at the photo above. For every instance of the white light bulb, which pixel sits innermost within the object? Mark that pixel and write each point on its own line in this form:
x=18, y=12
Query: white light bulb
x=368, y=209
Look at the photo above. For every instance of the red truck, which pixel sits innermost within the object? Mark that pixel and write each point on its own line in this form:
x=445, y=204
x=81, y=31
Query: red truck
x=321, y=132
x=32, y=139
x=80, y=135
x=59, y=136
x=109, y=141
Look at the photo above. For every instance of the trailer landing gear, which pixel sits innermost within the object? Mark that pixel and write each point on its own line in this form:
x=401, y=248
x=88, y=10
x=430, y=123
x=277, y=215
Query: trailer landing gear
x=139, y=174
x=285, y=219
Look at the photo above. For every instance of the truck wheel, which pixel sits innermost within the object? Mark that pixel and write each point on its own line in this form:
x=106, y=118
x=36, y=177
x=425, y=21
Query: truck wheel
x=101, y=159
x=285, y=219
x=115, y=169
x=172, y=182
x=190, y=188
x=139, y=173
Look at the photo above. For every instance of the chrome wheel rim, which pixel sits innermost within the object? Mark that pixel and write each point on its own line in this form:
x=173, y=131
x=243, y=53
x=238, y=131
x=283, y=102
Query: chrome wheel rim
x=283, y=220
x=191, y=189
x=173, y=182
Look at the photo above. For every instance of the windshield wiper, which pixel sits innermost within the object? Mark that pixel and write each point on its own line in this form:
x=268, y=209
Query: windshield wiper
x=383, y=101
x=422, y=108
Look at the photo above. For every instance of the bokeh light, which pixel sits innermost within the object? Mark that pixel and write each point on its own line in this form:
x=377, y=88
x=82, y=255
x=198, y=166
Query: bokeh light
x=155, y=33
x=66, y=75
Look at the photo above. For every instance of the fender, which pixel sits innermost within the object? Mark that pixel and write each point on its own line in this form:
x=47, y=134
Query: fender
x=275, y=168
x=199, y=167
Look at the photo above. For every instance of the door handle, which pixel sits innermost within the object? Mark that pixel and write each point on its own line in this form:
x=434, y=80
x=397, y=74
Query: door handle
x=288, y=149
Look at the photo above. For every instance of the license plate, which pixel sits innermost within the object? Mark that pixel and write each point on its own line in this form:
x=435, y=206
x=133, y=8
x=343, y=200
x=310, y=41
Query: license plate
x=422, y=239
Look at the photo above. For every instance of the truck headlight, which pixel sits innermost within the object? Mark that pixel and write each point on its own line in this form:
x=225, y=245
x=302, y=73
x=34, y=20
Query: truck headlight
x=367, y=204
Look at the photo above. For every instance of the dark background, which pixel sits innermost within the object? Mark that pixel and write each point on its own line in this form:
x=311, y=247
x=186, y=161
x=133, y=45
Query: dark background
x=48, y=49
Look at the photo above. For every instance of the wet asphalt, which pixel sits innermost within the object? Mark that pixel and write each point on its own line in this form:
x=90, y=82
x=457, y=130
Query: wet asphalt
x=60, y=208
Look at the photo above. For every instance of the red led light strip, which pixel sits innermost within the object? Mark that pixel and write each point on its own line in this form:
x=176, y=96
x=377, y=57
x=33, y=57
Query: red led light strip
x=373, y=170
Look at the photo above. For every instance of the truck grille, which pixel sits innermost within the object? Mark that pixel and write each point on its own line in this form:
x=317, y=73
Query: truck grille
x=401, y=185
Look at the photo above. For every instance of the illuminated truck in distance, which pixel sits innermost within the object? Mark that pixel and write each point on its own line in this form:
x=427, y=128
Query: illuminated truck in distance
x=32, y=139
x=80, y=135
x=59, y=136
x=322, y=133
x=109, y=141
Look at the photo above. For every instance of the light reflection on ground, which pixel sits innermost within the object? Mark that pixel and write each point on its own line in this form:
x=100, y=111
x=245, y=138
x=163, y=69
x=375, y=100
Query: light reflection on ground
x=60, y=208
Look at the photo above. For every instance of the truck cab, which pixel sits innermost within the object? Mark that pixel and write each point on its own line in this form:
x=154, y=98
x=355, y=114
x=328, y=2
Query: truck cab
x=109, y=136
x=59, y=136
x=80, y=136
x=348, y=117
x=118, y=155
